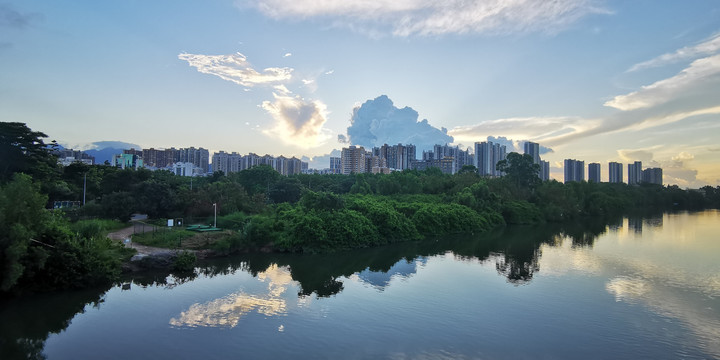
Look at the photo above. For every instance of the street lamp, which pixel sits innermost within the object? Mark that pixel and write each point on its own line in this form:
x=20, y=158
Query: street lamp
x=215, y=207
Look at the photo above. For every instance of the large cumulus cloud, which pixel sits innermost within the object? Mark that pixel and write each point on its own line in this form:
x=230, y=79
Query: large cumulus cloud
x=379, y=121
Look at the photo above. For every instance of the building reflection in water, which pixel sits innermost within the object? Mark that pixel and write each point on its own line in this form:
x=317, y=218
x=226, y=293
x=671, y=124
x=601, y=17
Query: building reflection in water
x=227, y=311
x=635, y=224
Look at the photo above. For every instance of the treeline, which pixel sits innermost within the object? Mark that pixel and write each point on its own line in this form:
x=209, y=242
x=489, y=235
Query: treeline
x=301, y=213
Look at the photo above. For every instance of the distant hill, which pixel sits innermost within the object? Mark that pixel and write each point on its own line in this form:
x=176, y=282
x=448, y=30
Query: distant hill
x=104, y=150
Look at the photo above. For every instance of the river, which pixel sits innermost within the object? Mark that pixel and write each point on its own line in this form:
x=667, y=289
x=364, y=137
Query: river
x=625, y=288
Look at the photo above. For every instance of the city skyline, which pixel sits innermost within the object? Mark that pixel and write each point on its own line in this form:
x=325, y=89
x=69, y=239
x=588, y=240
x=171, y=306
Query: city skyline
x=599, y=81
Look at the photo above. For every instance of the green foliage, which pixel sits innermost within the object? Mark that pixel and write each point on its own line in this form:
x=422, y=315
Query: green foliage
x=257, y=179
x=391, y=224
x=233, y=221
x=361, y=185
x=521, y=212
x=322, y=201
x=436, y=219
x=95, y=228
x=521, y=172
x=22, y=218
x=286, y=190
x=119, y=205
x=23, y=151
x=184, y=261
x=163, y=238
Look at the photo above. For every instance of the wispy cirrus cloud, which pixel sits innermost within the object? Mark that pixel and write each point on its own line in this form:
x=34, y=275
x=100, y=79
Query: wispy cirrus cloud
x=297, y=121
x=237, y=69
x=701, y=76
x=533, y=128
x=431, y=17
x=708, y=47
x=690, y=93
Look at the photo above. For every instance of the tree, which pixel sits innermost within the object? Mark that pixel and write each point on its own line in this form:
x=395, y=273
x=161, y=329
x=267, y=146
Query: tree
x=23, y=150
x=521, y=170
x=22, y=218
x=257, y=179
x=468, y=169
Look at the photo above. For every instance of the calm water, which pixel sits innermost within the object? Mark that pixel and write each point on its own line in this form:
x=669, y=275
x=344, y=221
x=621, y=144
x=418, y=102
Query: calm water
x=629, y=288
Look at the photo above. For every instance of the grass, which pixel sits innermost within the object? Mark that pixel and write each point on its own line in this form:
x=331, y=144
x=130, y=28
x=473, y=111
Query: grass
x=167, y=238
x=178, y=238
x=96, y=227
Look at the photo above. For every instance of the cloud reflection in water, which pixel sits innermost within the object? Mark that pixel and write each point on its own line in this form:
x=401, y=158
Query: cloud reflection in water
x=227, y=311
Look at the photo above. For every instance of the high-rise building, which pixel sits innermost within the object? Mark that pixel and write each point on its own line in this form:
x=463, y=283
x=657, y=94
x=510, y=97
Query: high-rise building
x=533, y=149
x=442, y=152
x=199, y=157
x=227, y=163
x=397, y=156
x=335, y=165
x=635, y=173
x=544, y=170
x=594, y=172
x=574, y=170
x=487, y=155
x=446, y=165
x=615, y=172
x=353, y=160
x=653, y=176
x=159, y=158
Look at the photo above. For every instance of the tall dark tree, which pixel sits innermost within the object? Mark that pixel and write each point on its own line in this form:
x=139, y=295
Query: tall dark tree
x=23, y=150
x=521, y=170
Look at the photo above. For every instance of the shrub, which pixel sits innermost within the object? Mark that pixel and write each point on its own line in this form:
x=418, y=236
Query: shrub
x=184, y=262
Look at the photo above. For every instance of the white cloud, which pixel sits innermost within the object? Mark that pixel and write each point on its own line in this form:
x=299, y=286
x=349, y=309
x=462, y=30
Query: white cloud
x=707, y=47
x=298, y=121
x=677, y=169
x=236, y=68
x=631, y=155
x=701, y=75
x=533, y=128
x=432, y=17
x=282, y=89
x=329, y=72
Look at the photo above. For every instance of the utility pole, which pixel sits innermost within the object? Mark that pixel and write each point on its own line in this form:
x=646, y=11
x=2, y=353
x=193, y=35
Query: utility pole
x=215, y=207
x=84, y=187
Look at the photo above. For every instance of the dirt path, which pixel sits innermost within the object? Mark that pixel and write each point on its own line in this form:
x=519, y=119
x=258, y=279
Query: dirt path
x=127, y=233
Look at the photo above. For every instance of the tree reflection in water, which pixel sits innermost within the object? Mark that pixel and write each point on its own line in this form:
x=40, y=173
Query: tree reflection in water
x=515, y=251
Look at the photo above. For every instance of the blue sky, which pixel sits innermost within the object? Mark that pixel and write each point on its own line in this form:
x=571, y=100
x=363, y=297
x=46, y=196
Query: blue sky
x=593, y=80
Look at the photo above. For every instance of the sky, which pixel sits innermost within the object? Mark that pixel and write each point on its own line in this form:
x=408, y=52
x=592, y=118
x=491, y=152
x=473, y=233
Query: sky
x=591, y=80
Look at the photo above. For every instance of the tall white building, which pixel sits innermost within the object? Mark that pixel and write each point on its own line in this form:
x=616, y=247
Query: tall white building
x=544, y=170
x=635, y=173
x=533, y=149
x=487, y=155
x=615, y=172
x=574, y=170
x=594, y=172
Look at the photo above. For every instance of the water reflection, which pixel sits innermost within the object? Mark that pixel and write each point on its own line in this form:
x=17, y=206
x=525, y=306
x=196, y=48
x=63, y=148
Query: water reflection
x=658, y=273
x=381, y=279
x=227, y=311
x=26, y=323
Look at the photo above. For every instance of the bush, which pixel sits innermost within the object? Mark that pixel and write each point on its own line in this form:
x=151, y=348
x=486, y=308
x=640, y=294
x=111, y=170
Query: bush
x=234, y=221
x=184, y=262
x=521, y=212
